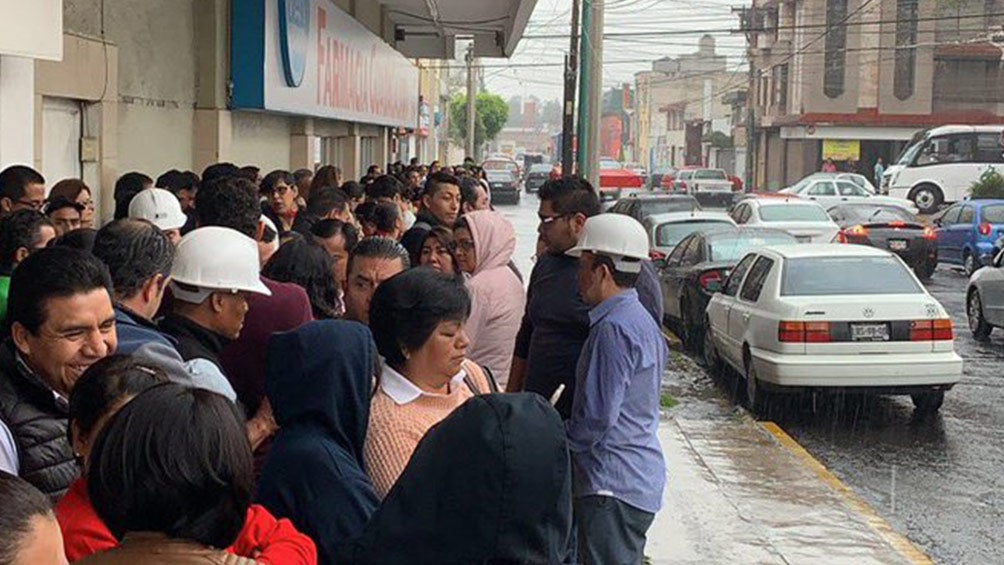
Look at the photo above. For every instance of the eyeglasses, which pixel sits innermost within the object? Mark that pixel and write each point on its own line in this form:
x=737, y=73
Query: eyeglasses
x=466, y=245
x=548, y=220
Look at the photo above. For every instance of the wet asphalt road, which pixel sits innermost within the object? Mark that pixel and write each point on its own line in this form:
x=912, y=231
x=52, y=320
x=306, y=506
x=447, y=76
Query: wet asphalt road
x=936, y=480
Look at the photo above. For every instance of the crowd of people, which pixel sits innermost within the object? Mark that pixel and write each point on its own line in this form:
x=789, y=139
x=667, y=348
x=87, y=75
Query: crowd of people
x=298, y=368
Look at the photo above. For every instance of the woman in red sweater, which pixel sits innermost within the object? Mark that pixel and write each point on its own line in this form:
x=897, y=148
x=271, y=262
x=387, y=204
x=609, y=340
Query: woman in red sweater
x=103, y=390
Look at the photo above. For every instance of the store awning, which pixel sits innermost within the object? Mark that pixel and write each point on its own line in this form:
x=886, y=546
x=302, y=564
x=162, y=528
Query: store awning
x=429, y=28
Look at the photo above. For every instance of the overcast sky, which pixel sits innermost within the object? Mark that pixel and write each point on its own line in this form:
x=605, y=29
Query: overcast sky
x=681, y=23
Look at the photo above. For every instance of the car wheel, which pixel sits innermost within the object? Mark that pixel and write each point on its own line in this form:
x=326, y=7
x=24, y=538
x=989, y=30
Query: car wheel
x=757, y=399
x=969, y=263
x=712, y=360
x=928, y=402
x=926, y=270
x=974, y=313
x=927, y=197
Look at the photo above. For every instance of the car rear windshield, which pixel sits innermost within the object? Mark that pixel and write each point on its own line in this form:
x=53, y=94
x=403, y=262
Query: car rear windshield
x=538, y=168
x=731, y=249
x=993, y=214
x=499, y=176
x=879, y=214
x=793, y=213
x=668, y=235
x=652, y=207
x=826, y=276
x=710, y=174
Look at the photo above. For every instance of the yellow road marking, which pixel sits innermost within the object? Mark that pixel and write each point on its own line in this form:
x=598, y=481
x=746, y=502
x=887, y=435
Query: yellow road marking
x=899, y=542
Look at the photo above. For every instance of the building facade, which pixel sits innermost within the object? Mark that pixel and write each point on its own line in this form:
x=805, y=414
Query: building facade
x=681, y=95
x=854, y=80
x=151, y=85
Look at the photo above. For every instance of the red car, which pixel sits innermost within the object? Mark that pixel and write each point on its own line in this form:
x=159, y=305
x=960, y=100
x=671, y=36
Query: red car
x=615, y=179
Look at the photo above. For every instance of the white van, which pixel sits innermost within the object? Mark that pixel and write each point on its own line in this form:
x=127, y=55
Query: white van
x=944, y=164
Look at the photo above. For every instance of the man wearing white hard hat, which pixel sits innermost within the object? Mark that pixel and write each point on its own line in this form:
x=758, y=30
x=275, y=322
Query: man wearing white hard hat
x=620, y=471
x=160, y=208
x=213, y=270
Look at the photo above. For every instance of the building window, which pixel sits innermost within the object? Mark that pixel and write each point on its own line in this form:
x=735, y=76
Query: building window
x=781, y=87
x=835, y=53
x=906, y=53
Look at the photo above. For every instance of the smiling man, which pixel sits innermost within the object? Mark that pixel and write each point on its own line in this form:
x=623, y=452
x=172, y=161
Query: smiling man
x=62, y=322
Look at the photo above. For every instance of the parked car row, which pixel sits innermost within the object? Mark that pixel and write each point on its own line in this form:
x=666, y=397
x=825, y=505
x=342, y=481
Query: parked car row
x=795, y=297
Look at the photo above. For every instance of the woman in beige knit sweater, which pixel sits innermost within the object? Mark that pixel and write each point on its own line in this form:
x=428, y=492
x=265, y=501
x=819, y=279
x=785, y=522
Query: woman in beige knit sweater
x=417, y=319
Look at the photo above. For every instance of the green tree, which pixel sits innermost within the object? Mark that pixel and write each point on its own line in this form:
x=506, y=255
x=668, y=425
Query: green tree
x=990, y=185
x=490, y=115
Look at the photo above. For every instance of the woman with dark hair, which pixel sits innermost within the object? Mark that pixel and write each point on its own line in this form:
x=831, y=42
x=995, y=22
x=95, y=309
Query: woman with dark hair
x=501, y=461
x=29, y=533
x=319, y=381
x=387, y=220
x=281, y=196
x=417, y=319
x=104, y=388
x=76, y=191
x=305, y=263
x=439, y=252
x=328, y=176
x=170, y=475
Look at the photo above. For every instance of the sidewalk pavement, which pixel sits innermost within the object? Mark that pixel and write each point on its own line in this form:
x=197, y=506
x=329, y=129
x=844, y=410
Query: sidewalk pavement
x=743, y=492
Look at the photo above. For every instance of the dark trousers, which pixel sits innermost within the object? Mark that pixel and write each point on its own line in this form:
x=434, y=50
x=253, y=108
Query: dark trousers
x=610, y=531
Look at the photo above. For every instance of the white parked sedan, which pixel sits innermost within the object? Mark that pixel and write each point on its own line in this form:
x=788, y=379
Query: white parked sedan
x=666, y=230
x=804, y=219
x=832, y=192
x=844, y=317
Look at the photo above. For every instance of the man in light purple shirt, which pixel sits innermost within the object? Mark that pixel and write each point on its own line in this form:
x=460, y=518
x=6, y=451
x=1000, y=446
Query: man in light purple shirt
x=619, y=469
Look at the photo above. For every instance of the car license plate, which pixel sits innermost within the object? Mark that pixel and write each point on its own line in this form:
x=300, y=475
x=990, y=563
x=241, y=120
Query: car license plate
x=897, y=244
x=870, y=332
x=803, y=238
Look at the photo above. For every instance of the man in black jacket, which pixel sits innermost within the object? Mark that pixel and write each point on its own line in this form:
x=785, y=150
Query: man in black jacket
x=440, y=201
x=61, y=322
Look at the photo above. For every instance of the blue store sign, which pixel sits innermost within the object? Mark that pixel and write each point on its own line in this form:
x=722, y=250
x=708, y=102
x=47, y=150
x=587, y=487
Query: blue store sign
x=294, y=32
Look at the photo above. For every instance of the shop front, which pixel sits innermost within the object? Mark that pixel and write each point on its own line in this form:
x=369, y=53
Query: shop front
x=347, y=90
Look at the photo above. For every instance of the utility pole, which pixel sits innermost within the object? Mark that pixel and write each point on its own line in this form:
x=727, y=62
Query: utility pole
x=471, y=99
x=748, y=25
x=568, y=121
x=591, y=90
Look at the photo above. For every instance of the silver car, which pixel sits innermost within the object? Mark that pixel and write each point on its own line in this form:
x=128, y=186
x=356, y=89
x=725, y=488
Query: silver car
x=985, y=299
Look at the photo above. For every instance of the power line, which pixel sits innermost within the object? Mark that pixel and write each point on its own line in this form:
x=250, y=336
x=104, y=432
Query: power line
x=664, y=33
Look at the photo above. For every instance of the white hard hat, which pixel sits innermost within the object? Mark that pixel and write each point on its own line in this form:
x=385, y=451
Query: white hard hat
x=616, y=236
x=159, y=207
x=216, y=259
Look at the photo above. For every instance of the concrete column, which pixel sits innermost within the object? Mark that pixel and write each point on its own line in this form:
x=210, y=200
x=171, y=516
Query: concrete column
x=350, y=147
x=213, y=134
x=17, y=111
x=301, y=144
x=382, y=154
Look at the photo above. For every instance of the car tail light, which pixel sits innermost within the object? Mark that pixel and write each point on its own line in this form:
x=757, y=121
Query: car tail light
x=803, y=332
x=857, y=231
x=710, y=279
x=897, y=225
x=985, y=228
x=930, y=234
x=931, y=330
x=656, y=255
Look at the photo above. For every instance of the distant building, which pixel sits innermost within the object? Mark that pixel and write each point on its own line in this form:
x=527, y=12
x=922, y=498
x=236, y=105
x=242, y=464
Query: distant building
x=681, y=95
x=885, y=70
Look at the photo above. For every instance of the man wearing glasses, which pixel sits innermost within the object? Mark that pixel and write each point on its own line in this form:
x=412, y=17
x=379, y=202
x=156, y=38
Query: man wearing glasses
x=556, y=322
x=21, y=188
